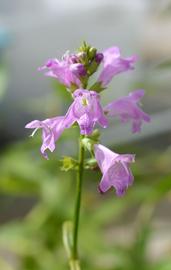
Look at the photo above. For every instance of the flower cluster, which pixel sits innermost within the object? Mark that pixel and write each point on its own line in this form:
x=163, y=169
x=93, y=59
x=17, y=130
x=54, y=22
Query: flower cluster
x=73, y=71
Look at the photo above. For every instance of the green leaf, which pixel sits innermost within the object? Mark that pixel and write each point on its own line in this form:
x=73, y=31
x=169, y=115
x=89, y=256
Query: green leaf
x=89, y=141
x=95, y=135
x=165, y=65
x=67, y=232
x=97, y=86
x=91, y=164
x=68, y=163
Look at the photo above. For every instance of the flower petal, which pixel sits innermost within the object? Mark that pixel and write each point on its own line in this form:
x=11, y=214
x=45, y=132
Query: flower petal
x=64, y=71
x=104, y=184
x=127, y=108
x=114, y=64
x=104, y=156
x=52, y=128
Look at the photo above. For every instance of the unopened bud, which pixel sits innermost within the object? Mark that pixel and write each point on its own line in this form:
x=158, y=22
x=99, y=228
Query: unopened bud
x=81, y=55
x=99, y=57
x=92, y=52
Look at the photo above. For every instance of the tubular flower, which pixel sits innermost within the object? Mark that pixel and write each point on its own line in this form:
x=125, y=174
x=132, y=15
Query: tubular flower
x=51, y=130
x=86, y=111
x=67, y=71
x=113, y=64
x=115, y=169
x=127, y=109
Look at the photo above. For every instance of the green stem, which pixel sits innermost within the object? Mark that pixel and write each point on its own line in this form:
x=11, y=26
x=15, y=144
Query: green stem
x=78, y=200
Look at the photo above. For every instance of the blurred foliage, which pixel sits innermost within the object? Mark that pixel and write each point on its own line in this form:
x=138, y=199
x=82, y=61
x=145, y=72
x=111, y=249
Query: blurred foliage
x=165, y=65
x=34, y=242
x=4, y=40
x=3, y=80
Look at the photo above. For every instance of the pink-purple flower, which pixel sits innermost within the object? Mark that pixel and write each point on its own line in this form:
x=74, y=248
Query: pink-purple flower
x=86, y=111
x=67, y=71
x=51, y=130
x=113, y=64
x=127, y=108
x=115, y=169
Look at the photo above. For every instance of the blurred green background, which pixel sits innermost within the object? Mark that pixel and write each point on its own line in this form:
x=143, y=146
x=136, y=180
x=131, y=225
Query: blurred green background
x=36, y=197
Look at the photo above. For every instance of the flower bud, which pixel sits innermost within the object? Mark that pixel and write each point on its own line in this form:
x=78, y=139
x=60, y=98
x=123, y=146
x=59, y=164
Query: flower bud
x=99, y=57
x=92, y=53
x=81, y=56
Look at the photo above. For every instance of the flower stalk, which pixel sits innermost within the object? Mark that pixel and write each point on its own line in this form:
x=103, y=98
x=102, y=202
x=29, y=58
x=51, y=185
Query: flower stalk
x=78, y=200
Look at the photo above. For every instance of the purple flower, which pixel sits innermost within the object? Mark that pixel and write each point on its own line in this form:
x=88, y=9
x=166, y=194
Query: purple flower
x=51, y=130
x=115, y=169
x=113, y=64
x=86, y=111
x=127, y=109
x=67, y=71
